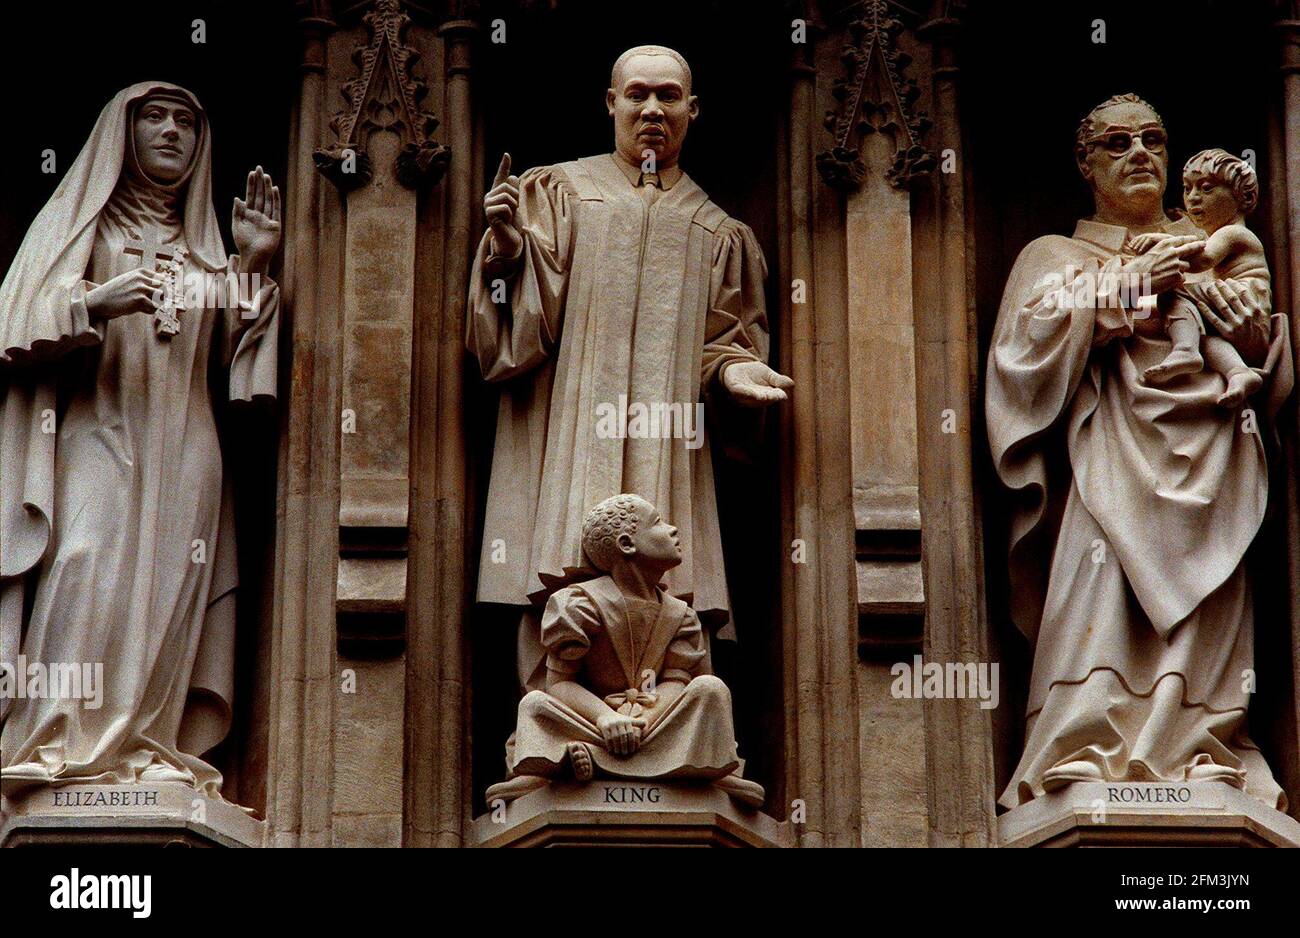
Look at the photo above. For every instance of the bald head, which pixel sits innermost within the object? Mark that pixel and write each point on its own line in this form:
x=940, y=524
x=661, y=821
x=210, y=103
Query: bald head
x=616, y=73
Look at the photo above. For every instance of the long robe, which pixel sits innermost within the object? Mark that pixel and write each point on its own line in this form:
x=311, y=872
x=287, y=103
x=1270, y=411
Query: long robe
x=127, y=528
x=603, y=641
x=1142, y=617
x=616, y=297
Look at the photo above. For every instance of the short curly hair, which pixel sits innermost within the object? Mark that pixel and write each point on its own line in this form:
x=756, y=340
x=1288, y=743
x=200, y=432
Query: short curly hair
x=604, y=524
x=1087, y=126
x=1234, y=172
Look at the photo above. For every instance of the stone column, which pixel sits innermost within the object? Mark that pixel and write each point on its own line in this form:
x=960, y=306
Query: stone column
x=1284, y=182
x=367, y=279
x=436, y=786
x=819, y=611
x=959, y=751
x=300, y=743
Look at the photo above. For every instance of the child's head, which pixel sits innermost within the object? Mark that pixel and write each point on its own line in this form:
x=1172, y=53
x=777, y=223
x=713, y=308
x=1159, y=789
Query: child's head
x=1217, y=188
x=628, y=528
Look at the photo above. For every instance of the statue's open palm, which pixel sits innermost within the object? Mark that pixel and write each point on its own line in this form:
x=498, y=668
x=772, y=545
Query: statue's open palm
x=255, y=221
x=754, y=384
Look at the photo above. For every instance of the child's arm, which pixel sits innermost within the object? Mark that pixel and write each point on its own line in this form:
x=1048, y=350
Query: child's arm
x=1229, y=242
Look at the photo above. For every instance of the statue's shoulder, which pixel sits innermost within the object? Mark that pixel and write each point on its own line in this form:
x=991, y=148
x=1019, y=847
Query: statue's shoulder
x=580, y=178
x=711, y=217
x=555, y=176
x=677, y=608
x=601, y=589
x=1051, y=248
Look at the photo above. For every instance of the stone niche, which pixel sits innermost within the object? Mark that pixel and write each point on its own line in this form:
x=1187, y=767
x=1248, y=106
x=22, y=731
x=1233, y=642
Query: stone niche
x=1147, y=814
x=168, y=815
x=624, y=813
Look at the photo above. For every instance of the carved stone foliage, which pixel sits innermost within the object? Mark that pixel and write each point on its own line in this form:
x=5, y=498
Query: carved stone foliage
x=385, y=95
x=875, y=97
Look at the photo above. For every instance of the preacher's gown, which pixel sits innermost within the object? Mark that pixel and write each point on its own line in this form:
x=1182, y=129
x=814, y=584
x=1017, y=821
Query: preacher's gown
x=621, y=293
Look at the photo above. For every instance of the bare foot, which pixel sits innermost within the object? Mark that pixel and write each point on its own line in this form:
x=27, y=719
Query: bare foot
x=1180, y=361
x=741, y=789
x=1241, y=384
x=513, y=788
x=580, y=760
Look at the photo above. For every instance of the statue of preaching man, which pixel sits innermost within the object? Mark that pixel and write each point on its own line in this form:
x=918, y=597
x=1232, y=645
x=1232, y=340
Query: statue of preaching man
x=116, y=532
x=606, y=282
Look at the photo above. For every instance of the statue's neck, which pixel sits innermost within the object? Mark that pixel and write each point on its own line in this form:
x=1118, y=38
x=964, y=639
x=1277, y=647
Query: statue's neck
x=636, y=582
x=146, y=204
x=1134, y=218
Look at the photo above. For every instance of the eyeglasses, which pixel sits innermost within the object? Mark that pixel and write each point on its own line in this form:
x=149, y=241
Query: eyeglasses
x=1120, y=142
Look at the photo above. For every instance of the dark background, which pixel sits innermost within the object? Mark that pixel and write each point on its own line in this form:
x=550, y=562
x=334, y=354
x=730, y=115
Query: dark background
x=244, y=76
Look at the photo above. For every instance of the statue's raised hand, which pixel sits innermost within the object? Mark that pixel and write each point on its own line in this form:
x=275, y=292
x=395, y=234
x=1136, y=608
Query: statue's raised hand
x=255, y=222
x=754, y=384
x=500, y=205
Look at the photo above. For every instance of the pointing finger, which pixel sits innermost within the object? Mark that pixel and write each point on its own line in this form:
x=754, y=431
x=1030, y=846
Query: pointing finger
x=503, y=171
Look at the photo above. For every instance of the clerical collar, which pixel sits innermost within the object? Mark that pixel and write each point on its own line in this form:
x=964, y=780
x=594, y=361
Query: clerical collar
x=1112, y=237
x=667, y=177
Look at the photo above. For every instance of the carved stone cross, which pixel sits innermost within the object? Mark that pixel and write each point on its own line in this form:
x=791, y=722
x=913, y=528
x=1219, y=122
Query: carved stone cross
x=170, y=262
x=149, y=252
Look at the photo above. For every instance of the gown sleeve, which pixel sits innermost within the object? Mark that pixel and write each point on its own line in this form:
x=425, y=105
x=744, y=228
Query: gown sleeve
x=252, y=331
x=736, y=327
x=512, y=337
x=569, y=621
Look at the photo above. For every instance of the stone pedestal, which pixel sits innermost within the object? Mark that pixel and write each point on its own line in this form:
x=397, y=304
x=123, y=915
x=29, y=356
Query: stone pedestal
x=142, y=815
x=1147, y=814
x=619, y=813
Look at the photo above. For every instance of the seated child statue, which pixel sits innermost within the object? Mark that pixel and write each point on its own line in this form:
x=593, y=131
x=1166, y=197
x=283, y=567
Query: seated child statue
x=628, y=693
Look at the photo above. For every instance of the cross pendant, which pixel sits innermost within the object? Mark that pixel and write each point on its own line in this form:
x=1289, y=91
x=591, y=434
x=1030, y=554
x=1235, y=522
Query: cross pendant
x=170, y=262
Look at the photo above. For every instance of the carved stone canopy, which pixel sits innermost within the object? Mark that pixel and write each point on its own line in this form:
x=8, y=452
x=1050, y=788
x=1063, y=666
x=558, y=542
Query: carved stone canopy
x=875, y=97
x=385, y=95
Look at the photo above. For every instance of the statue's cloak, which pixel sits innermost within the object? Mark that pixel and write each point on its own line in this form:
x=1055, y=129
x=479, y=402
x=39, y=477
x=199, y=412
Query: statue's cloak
x=43, y=326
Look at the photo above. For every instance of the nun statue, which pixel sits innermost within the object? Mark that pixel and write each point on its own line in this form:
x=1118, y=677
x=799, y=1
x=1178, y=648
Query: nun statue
x=116, y=532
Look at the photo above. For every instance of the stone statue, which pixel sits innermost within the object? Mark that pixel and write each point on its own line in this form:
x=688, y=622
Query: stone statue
x=1219, y=191
x=113, y=516
x=628, y=693
x=1134, y=500
x=612, y=286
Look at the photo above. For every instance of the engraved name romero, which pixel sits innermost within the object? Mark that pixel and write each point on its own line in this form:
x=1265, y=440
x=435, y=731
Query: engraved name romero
x=1163, y=794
